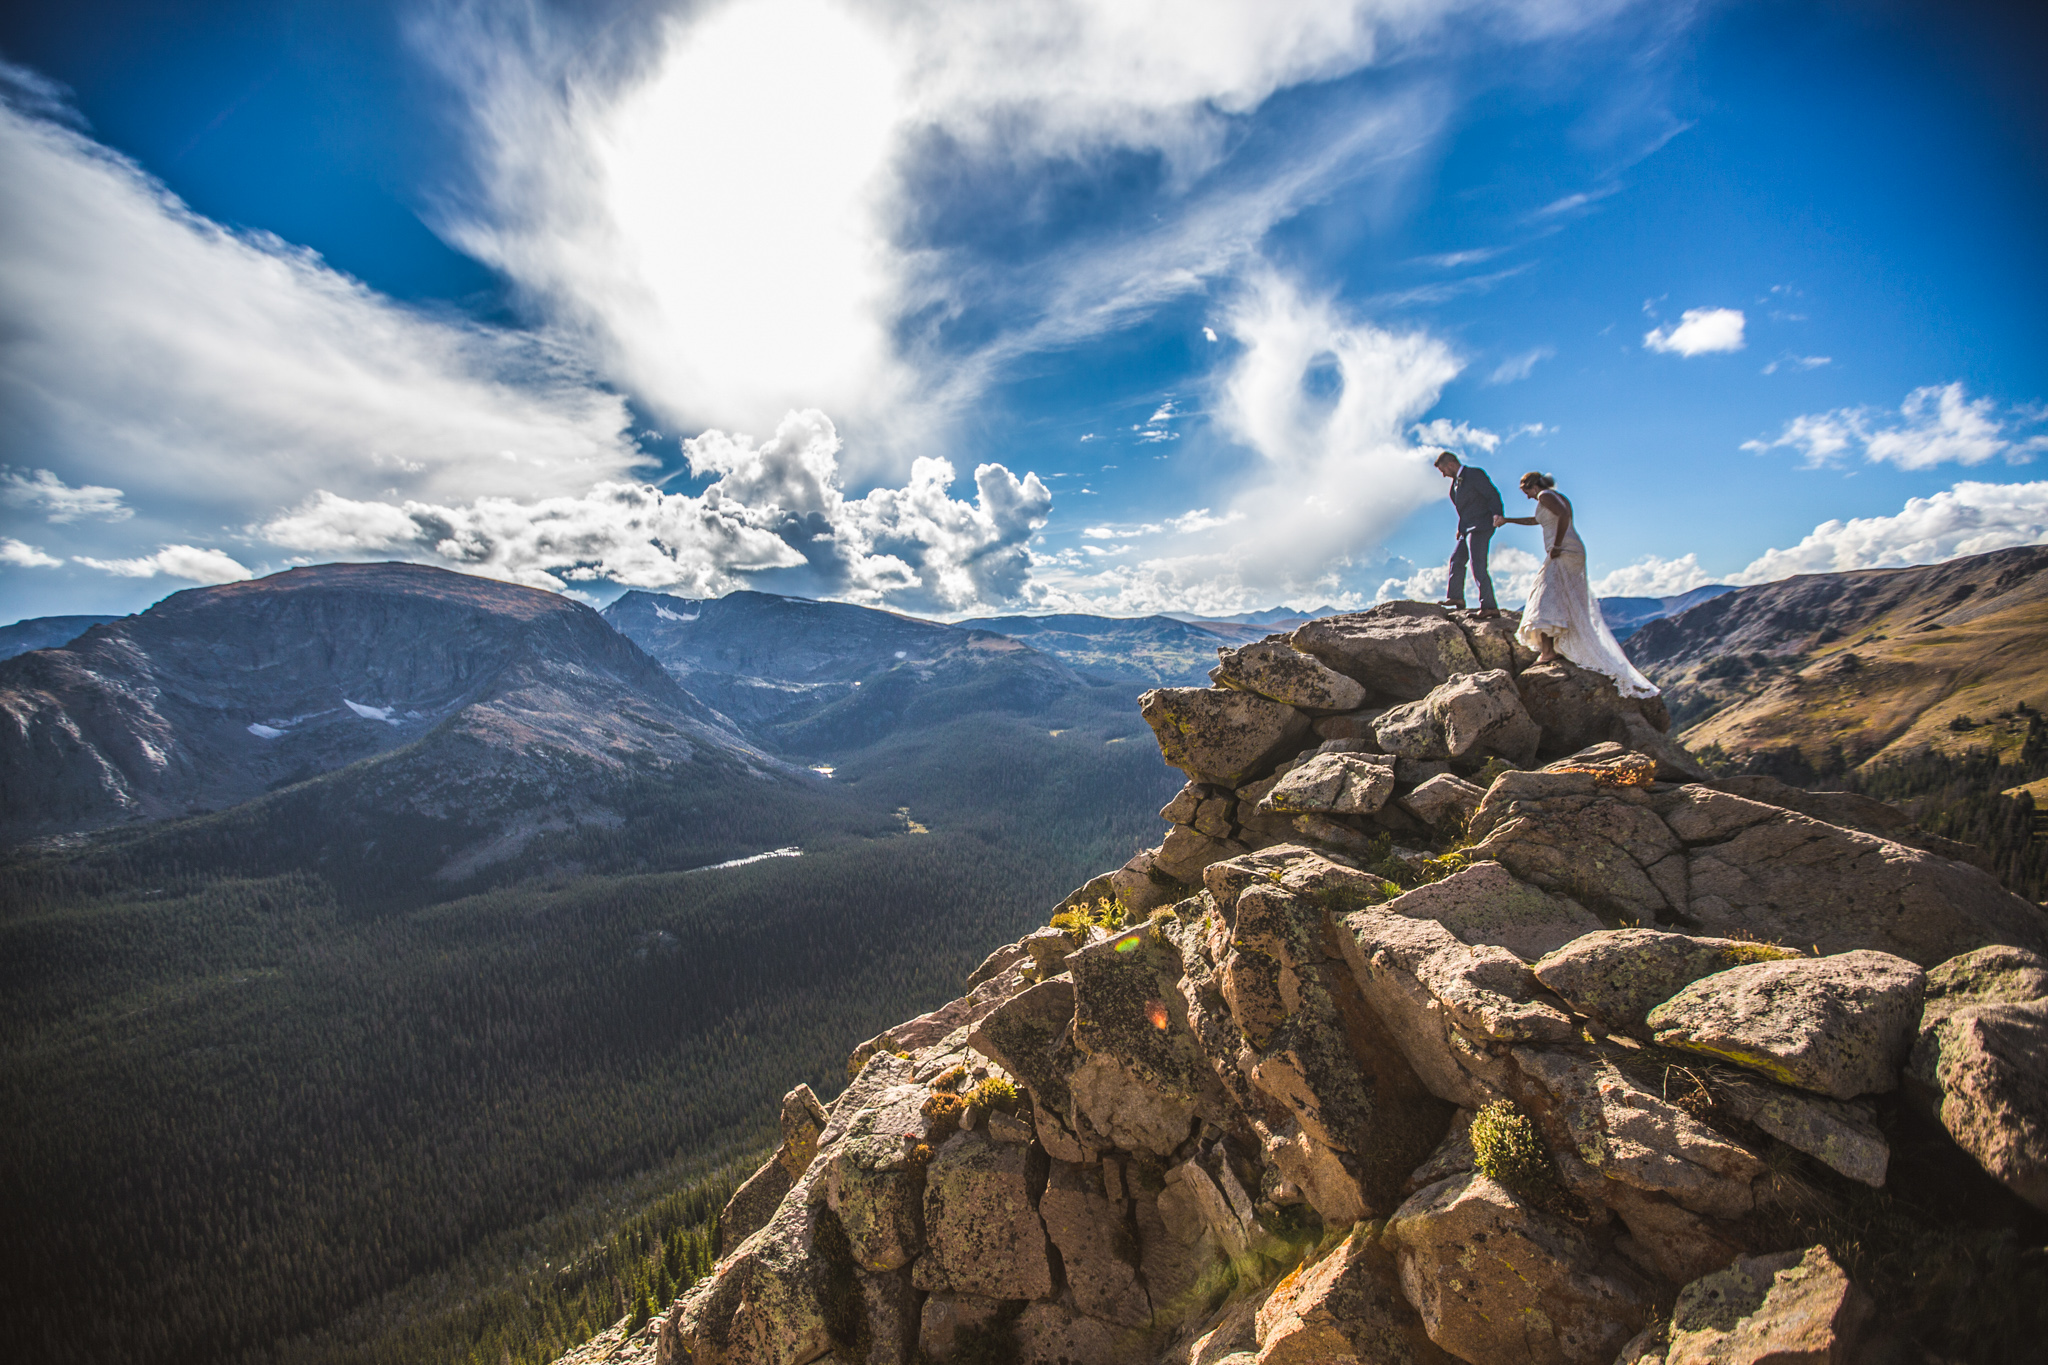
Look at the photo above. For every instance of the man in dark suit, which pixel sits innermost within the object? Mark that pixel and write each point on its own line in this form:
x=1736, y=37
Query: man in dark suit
x=1478, y=503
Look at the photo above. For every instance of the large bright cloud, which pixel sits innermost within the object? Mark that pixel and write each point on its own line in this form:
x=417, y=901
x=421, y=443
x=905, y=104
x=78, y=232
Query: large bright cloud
x=743, y=207
x=777, y=505
x=191, y=562
x=1936, y=424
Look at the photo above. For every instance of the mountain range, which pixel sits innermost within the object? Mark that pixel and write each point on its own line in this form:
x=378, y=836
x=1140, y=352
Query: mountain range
x=365, y=913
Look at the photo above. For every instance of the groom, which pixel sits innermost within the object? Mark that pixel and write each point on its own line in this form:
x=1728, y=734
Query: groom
x=1478, y=503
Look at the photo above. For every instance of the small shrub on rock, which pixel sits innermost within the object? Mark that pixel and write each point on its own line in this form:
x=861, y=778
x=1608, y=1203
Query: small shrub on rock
x=1507, y=1149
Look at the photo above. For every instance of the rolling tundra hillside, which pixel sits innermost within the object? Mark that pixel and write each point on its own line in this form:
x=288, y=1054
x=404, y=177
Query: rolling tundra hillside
x=1873, y=664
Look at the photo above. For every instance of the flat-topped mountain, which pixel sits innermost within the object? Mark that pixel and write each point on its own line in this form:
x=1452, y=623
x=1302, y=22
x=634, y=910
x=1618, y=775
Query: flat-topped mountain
x=217, y=695
x=46, y=632
x=1879, y=661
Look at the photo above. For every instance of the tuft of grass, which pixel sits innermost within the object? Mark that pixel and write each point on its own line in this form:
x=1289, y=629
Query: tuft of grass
x=996, y=1093
x=1107, y=914
x=942, y=1112
x=1491, y=773
x=950, y=1078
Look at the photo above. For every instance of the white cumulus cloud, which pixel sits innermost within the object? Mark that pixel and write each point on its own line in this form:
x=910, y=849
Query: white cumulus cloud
x=1458, y=436
x=1654, y=576
x=1967, y=519
x=1937, y=424
x=1699, y=331
x=777, y=505
x=173, y=561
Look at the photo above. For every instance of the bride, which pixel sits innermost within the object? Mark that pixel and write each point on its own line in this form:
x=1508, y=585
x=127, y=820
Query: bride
x=1562, y=619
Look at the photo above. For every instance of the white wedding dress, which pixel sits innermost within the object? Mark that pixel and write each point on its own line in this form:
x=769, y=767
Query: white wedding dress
x=1561, y=606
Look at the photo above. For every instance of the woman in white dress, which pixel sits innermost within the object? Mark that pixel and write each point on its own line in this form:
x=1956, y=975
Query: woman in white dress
x=1562, y=619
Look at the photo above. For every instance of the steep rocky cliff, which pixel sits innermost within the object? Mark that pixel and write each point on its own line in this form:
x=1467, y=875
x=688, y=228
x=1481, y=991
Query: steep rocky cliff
x=1370, y=1062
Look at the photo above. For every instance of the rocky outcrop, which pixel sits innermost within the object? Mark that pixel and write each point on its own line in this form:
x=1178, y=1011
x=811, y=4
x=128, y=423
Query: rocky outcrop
x=1326, y=1096
x=1762, y=1310
x=1980, y=1063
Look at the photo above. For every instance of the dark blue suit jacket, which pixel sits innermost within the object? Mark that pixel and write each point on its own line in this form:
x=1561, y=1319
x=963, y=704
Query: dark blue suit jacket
x=1477, y=500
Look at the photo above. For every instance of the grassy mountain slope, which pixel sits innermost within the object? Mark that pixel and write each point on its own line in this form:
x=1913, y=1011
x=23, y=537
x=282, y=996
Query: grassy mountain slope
x=1859, y=668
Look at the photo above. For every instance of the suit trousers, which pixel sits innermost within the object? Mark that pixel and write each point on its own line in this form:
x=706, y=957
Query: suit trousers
x=1472, y=545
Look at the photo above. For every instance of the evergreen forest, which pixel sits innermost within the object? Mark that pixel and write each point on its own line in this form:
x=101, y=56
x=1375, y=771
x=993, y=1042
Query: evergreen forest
x=266, y=1093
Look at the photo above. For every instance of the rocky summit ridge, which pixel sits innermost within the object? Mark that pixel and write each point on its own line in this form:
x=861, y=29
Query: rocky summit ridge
x=1457, y=1017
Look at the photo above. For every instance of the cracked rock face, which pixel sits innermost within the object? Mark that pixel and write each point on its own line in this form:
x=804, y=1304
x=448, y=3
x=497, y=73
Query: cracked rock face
x=1793, y=1306
x=1615, y=977
x=982, y=1229
x=1219, y=736
x=1980, y=1063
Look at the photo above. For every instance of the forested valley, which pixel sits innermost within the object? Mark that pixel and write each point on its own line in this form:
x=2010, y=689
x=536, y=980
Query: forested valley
x=259, y=1083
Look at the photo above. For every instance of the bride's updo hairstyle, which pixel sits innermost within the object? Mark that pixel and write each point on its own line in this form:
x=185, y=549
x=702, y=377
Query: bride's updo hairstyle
x=1541, y=482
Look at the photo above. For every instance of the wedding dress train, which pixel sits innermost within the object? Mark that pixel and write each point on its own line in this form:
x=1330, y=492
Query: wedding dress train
x=1561, y=605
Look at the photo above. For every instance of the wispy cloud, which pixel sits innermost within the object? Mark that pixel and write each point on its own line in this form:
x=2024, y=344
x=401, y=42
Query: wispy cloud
x=44, y=492
x=1699, y=331
x=1798, y=362
x=1571, y=203
x=1519, y=367
x=1937, y=424
x=157, y=359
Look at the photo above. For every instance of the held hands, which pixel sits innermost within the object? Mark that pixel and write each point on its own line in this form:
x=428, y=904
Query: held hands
x=1499, y=521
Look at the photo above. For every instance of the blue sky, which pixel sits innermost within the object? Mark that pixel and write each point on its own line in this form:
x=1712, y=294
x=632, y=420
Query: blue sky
x=1119, y=306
